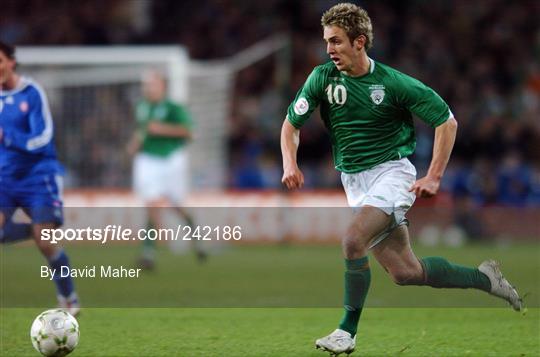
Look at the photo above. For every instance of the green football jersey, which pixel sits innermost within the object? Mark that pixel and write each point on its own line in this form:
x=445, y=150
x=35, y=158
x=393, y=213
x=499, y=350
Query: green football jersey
x=167, y=112
x=369, y=118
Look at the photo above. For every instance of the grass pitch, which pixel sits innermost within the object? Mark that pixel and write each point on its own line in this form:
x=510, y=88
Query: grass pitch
x=286, y=332
x=270, y=301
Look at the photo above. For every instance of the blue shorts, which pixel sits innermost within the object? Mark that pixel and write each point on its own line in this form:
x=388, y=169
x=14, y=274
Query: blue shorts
x=40, y=196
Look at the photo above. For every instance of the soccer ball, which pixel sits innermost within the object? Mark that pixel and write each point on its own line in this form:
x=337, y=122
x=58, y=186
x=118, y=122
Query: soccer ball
x=55, y=333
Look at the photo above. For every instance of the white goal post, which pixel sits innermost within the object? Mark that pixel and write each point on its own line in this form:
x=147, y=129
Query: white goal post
x=106, y=64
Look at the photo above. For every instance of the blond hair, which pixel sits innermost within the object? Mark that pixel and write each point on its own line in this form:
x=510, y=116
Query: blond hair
x=351, y=18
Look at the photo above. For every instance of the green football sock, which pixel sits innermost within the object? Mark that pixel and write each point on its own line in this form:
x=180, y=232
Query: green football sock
x=149, y=245
x=189, y=221
x=357, y=279
x=440, y=273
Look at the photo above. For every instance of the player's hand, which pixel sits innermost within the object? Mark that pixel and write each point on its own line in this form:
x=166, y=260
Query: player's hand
x=155, y=128
x=132, y=148
x=426, y=187
x=292, y=177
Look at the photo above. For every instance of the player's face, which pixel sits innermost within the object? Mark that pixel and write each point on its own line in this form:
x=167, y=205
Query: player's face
x=153, y=87
x=343, y=53
x=7, y=68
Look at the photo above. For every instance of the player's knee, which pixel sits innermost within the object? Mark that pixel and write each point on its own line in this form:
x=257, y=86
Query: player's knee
x=355, y=243
x=353, y=248
x=46, y=248
x=405, y=277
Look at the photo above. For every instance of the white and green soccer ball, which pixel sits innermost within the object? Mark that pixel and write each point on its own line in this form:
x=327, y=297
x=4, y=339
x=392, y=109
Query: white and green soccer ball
x=55, y=333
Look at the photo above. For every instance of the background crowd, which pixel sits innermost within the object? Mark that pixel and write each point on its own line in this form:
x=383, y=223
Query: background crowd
x=482, y=57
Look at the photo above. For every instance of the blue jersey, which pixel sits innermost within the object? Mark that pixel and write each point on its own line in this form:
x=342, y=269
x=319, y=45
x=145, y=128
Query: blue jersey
x=30, y=175
x=27, y=145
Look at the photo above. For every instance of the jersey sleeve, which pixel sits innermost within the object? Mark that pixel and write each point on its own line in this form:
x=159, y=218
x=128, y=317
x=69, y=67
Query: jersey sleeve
x=141, y=108
x=40, y=125
x=307, y=99
x=421, y=100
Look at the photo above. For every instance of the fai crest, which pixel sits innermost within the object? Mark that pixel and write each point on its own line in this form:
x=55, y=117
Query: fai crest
x=377, y=96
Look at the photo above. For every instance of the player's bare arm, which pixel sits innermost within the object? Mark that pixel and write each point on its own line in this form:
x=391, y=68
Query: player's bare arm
x=134, y=144
x=168, y=130
x=290, y=139
x=445, y=136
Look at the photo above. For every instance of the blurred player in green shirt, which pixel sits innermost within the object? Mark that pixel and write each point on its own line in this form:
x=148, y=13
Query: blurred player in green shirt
x=367, y=108
x=160, y=168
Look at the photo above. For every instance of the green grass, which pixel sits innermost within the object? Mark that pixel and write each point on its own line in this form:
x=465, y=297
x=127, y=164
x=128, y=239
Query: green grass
x=286, y=332
x=269, y=301
x=267, y=276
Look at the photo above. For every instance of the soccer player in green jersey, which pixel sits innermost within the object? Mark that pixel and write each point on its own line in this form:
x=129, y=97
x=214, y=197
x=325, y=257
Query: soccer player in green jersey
x=160, y=168
x=367, y=108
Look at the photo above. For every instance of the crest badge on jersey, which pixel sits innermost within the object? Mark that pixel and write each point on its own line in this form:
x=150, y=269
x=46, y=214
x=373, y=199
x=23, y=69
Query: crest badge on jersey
x=301, y=106
x=377, y=93
x=377, y=96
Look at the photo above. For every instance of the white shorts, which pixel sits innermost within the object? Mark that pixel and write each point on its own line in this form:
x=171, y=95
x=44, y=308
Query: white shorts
x=385, y=186
x=157, y=177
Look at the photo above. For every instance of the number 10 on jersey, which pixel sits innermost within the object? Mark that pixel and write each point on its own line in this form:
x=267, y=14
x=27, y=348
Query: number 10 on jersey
x=336, y=94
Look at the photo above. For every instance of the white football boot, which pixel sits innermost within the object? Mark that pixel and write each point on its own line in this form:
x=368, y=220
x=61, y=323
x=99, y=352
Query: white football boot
x=500, y=287
x=337, y=342
x=70, y=304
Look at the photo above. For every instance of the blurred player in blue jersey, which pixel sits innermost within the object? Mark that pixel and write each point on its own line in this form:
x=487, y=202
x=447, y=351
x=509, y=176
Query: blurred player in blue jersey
x=30, y=175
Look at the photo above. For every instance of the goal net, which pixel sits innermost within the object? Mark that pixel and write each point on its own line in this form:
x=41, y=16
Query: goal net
x=92, y=92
